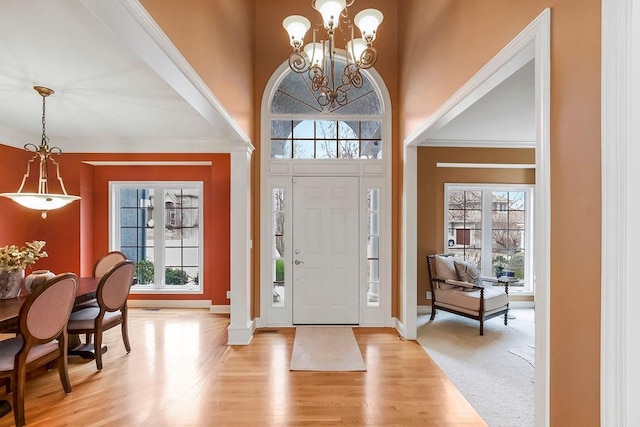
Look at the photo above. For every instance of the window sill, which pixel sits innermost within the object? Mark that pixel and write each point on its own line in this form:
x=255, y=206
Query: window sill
x=171, y=291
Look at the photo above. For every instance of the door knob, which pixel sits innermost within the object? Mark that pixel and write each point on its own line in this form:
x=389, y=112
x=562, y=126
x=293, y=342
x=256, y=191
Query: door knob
x=297, y=262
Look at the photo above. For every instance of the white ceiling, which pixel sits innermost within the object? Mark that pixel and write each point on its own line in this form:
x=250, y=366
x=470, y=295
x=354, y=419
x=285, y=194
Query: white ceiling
x=505, y=115
x=120, y=85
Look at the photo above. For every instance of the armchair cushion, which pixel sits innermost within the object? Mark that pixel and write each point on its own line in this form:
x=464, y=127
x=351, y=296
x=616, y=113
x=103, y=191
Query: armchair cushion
x=445, y=270
x=467, y=272
x=469, y=301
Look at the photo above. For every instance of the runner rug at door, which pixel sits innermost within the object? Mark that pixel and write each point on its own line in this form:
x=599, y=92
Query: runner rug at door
x=326, y=349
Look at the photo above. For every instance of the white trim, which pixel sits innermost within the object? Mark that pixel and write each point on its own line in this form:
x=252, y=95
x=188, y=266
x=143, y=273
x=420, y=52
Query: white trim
x=241, y=326
x=146, y=163
x=537, y=36
x=196, y=303
x=220, y=309
x=424, y=309
x=240, y=335
x=486, y=165
x=464, y=143
x=619, y=346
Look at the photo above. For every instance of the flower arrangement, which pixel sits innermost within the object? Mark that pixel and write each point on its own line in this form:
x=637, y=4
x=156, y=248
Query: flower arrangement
x=13, y=258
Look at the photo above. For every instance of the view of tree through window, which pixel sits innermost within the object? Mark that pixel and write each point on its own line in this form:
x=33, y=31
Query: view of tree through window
x=489, y=227
x=325, y=139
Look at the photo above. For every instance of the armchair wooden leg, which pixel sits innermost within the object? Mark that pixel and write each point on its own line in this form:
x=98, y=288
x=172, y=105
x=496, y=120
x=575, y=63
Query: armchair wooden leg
x=505, y=317
x=433, y=312
x=481, y=326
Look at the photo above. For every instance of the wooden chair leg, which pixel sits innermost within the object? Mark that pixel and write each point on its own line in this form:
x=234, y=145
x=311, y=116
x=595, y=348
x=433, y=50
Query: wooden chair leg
x=481, y=326
x=18, y=394
x=63, y=366
x=505, y=317
x=125, y=330
x=433, y=312
x=98, y=348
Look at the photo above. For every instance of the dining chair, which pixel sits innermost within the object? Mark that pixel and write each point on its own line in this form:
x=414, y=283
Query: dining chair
x=100, y=267
x=42, y=323
x=112, y=294
x=105, y=262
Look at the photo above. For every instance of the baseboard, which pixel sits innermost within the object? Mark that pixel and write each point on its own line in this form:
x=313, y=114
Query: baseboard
x=424, y=309
x=400, y=328
x=220, y=309
x=521, y=304
x=241, y=335
x=145, y=303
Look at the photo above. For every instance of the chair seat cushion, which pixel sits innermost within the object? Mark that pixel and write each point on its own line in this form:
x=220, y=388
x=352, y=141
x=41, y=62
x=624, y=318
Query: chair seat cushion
x=470, y=300
x=84, y=319
x=9, y=348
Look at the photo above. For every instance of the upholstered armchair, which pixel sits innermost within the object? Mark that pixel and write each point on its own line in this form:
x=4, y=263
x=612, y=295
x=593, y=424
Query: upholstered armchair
x=457, y=287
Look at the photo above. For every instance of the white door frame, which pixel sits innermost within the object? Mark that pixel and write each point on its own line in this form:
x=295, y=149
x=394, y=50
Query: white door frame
x=372, y=174
x=619, y=346
x=537, y=33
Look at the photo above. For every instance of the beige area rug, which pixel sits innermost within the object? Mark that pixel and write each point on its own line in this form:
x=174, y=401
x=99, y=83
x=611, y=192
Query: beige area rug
x=326, y=349
x=494, y=372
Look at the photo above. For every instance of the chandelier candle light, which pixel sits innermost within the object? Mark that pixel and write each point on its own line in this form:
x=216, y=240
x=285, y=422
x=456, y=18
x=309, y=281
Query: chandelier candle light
x=43, y=200
x=318, y=59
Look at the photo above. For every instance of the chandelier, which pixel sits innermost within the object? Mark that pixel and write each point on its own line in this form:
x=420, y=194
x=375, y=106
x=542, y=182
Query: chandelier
x=318, y=59
x=43, y=200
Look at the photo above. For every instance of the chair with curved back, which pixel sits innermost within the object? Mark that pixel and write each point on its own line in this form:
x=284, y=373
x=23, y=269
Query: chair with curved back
x=100, y=267
x=43, y=337
x=112, y=294
x=107, y=261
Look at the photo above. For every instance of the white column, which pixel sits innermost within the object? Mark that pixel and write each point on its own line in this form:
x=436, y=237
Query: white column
x=241, y=326
x=410, y=244
x=620, y=346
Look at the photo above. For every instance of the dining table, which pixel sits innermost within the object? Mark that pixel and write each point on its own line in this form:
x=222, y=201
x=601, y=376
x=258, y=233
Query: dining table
x=86, y=291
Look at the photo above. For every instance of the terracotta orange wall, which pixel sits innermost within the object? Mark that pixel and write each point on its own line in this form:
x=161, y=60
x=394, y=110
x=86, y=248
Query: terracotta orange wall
x=444, y=43
x=216, y=37
x=273, y=49
x=77, y=234
x=431, y=181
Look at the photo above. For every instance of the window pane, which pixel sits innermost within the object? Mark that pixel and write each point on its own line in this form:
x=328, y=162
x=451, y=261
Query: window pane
x=373, y=248
x=373, y=224
x=327, y=149
x=326, y=129
x=348, y=129
x=348, y=149
x=304, y=129
x=473, y=199
x=371, y=149
x=281, y=149
x=303, y=149
x=278, y=273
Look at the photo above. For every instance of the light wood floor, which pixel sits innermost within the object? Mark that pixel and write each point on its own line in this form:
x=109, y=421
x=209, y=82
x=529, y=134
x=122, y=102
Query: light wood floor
x=181, y=373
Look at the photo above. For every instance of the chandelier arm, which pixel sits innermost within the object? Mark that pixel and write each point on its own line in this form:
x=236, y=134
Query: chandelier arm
x=26, y=175
x=298, y=62
x=64, y=190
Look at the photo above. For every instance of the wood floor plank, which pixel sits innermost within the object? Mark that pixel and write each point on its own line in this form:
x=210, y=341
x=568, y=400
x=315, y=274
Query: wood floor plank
x=180, y=372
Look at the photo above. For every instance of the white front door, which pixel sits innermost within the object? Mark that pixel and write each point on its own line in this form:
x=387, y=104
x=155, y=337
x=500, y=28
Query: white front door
x=325, y=250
